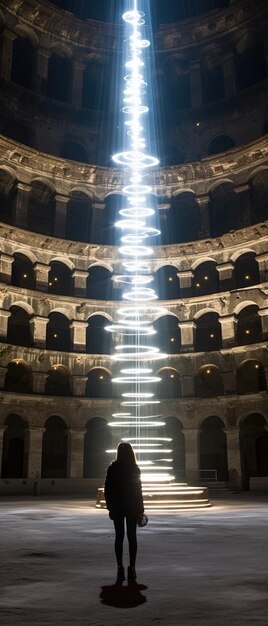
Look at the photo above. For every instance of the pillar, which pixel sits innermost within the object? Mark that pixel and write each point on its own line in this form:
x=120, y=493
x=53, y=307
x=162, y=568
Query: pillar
x=191, y=438
x=229, y=76
x=6, y=263
x=39, y=382
x=60, y=215
x=34, y=441
x=2, y=430
x=4, y=315
x=226, y=279
x=80, y=282
x=77, y=84
x=6, y=54
x=185, y=279
x=228, y=330
x=22, y=201
x=234, y=458
x=187, y=336
x=187, y=387
x=41, y=276
x=76, y=452
x=196, y=83
x=79, y=385
x=79, y=337
x=262, y=260
x=263, y=313
x=41, y=71
x=39, y=331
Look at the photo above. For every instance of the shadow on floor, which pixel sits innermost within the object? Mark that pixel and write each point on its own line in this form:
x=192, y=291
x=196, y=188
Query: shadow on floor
x=124, y=597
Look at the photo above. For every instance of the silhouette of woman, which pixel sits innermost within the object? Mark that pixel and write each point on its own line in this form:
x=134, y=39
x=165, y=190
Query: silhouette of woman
x=123, y=495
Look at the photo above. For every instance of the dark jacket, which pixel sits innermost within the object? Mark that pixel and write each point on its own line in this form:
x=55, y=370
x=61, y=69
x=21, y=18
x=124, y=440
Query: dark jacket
x=122, y=490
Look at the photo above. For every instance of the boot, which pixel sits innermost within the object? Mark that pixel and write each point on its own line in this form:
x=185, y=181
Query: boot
x=131, y=573
x=120, y=574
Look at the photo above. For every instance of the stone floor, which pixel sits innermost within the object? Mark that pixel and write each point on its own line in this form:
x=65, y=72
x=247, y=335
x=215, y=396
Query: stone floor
x=194, y=568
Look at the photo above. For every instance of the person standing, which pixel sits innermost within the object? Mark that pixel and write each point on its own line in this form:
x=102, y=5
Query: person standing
x=124, y=501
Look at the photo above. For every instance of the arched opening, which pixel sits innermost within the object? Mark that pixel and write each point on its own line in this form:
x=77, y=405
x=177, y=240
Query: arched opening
x=59, y=77
x=213, y=447
x=174, y=430
x=252, y=429
x=60, y=279
x=224, y=211
x=168, y=337
x=170, y=385
x=208, y=382
x=205, y=279
x=74, y=152
x=250, y=377
x=13, y=463
x=23, y=62
x=19, y=132
x=250, y=62
x=98, y=439
x=8, y=197
x=58, y=333
x=258, y=197
x=249, y=328
x=167, y=285
x=92, y=85
x=99, y=283
x=262, y=455
x=55, y=448
x=109, y=235
x=222, y=143
x=185, y=210
x=80, y=217
x=99, y=384
x=208, y=333
x=23, y=274
x=213, y=87
x=19, y=377
x=99, y=340
x=58, y=381
x=18, y=329
x=176, y=85
x=41, y=208
x=246, y=271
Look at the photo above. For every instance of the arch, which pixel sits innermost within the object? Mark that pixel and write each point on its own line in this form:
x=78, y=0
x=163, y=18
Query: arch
x=167, y=283
x=64, y=260
x=170, y=384
x=23, y=60
x=27, y=253
x=19, y=377
x=82, y=191
x=213, y=447
x=60, y=278
x=101, y=314
x=243, y=305
x=208, y=332
x=184, y=217
x=224, y=209
x=64, y=312
x=55, y=448
x=59, y=76
x=23, y=274
x=19, y=132
x=24, y=30
x=58, y=333
x=58, y=381
x=74, y=151
x=22, y=304
x=240, y=253
x=249, y=327
x=252, y=428
x=99, y=341
x=47, y=182
x=221, y=143
x=208, y=382
x=18, y=328
x=250, y=377
x=13, y=459
x=104, y=264
x=205, y=279
x=246, y=271
x=99, y=383
x=198, y=262
x=98, y=439
x=204, y=311
x=168, y=337
x=100, y=284
x=42, y=206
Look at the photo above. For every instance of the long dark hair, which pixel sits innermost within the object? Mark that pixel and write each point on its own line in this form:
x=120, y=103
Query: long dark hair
x=126, y=454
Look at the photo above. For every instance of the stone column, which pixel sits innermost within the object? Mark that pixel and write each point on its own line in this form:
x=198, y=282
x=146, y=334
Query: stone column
x=22, y=201
x=229, y=76
x=226, y=276
x=187, y=387
x=6, y=263
x=79, y=385
x=185, y=279
x=41, y=71
x=78, y=336
x=2, y=430
x=76, y=452
x=196, y=83
x=234, y=458
x=191, y=437
x=34, y=440
x=228, y=330
x=77, y=84
x=39, y=382
x=263, y=313
x=187, y=336
x=262, y=260
x=60, y=215
x=6, y=53
x=41, y=276
x=4, y=315
x=39, y=331
x=204, y=217
x=80, y=282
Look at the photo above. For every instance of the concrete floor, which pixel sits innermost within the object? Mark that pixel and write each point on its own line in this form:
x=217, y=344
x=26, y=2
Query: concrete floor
x=57, y=566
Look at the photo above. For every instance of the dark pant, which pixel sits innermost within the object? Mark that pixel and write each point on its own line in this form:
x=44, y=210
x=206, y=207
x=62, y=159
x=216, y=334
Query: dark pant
x=119, y=525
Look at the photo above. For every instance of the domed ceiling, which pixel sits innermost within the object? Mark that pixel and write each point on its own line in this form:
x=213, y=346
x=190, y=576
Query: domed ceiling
x=163, y=11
